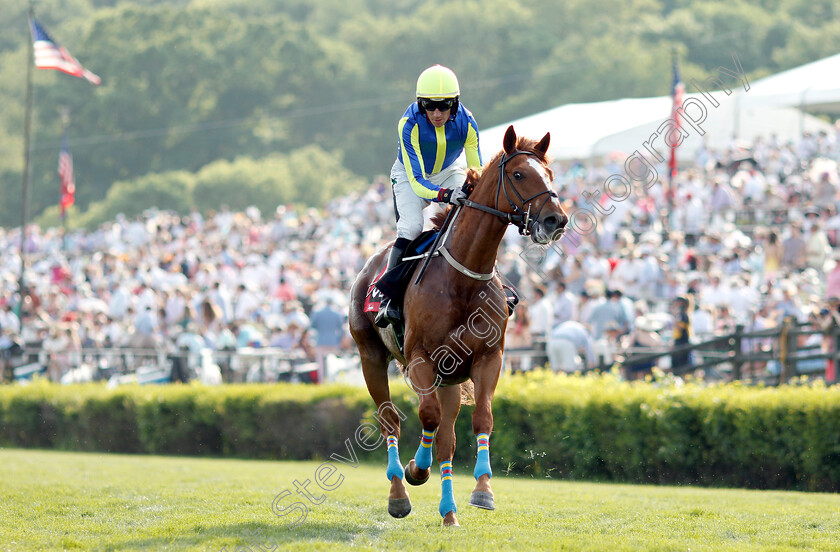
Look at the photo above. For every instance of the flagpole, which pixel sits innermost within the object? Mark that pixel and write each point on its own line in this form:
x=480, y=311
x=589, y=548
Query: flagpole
x=26, y=176
x=65, y=122
x=669, y=194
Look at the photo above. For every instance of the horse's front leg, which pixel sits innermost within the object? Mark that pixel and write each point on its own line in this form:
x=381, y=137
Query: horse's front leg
x=418, y=469
x=450, y=401
x=482, y=419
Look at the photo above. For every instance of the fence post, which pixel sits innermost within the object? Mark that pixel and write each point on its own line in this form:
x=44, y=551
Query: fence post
x=6, y=370
x=835, y=352
x=788, y=350
x=736, y=351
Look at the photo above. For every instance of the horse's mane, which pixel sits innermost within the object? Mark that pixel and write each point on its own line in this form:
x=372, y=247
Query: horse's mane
x=438, y=218
x=490, y=172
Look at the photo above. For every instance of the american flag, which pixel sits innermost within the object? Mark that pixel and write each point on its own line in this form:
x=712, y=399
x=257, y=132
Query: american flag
x=65, y=173
x=50, y=55
x=677, y=92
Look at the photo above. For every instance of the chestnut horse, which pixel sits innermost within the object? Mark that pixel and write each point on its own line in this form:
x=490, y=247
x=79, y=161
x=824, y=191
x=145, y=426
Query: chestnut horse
x=455, y=321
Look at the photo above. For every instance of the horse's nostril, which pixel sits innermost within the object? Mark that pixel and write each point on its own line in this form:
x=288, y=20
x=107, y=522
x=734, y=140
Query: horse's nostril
x=550, y=223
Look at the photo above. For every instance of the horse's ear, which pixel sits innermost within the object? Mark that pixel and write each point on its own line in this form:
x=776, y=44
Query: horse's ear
x=542, y=146
x=509, y=143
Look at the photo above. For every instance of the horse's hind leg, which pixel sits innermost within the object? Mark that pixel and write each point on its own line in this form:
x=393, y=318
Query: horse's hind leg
x=374, y=359
x=418, y=469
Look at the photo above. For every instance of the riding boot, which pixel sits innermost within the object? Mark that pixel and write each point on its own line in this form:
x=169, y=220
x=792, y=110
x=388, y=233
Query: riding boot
x=389, y=309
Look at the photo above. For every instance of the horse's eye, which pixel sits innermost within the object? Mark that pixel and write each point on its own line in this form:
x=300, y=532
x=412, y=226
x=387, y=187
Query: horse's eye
x=518, y=175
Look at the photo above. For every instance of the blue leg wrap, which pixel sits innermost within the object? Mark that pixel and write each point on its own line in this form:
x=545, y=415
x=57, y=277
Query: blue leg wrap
x=423, y=456
x=447, y=496
x=394, y=466
x=482, y=458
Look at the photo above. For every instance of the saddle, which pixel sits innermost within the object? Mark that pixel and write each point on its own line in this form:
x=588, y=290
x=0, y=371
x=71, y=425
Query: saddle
x=397, y=279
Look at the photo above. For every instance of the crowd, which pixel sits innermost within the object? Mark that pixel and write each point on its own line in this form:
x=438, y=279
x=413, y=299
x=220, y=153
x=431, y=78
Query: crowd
x=746, y=235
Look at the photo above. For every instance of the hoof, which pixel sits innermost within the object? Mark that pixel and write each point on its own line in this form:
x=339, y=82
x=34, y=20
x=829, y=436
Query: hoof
x=482, y=499
x=399, y=507
x=409, y=479
x=449, y=520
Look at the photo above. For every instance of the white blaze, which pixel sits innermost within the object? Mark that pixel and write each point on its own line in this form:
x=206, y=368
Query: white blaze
x=540, y=170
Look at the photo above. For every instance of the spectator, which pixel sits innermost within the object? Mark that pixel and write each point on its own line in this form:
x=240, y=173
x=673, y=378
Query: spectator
x=794, y=249
x=610, y=310
x=644, y=339
x=703, y=322
x=146, y=327
x=284, y=292
x=682, y=333
x=518, y=338
x=565, y=305
x=63, y=346
x=245, y=304
x=175, y=307
x=9, y=321
x=773, y=252
x=541, y=315
x=187, y=358
x=817, y=247
x=608, y=346
x=328, y=325
x=566, y=344
x=221, y=298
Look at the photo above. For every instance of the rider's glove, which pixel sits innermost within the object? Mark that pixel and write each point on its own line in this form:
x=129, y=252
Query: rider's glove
x=455, y=196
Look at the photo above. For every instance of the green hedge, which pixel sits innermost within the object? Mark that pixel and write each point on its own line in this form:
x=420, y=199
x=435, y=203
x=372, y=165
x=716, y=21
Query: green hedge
x=593, y=427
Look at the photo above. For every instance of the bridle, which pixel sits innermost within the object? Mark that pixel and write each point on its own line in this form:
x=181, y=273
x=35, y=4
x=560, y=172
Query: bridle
x=519, y=217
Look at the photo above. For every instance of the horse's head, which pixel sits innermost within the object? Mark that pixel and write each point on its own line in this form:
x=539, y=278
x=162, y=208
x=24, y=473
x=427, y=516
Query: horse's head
x=524, y=177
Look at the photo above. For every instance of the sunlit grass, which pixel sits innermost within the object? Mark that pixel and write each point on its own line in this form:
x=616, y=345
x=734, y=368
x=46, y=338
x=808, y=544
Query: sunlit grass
x=77, y=501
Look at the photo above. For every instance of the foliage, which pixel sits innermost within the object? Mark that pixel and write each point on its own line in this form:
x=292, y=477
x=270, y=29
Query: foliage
x=308, y=176
x=545, y=425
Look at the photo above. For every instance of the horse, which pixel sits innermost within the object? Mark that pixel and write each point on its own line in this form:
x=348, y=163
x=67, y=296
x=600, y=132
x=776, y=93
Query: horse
x=455, y=321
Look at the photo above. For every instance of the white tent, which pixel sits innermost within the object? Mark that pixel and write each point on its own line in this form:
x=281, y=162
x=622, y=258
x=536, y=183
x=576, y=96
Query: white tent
x=577, y=128
x=730, y=120
x=812, y=87
x=591, y=130
x=771, y=106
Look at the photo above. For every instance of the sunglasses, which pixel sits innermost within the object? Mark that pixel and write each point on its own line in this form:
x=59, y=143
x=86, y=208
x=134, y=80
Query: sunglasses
x=440, y=105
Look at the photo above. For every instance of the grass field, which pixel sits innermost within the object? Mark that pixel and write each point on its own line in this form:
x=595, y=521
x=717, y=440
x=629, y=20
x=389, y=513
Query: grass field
x=75, y=501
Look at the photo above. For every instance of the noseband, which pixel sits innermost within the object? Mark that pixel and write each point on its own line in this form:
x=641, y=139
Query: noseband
x=519, y=217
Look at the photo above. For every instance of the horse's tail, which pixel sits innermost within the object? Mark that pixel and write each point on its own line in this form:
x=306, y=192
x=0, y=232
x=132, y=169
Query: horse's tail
x=468, y=393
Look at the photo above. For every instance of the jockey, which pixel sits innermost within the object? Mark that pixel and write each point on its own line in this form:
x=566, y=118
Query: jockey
x=433, y=132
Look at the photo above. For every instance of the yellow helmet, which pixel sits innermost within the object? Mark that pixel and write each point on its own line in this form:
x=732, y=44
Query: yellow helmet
x=438, y=82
